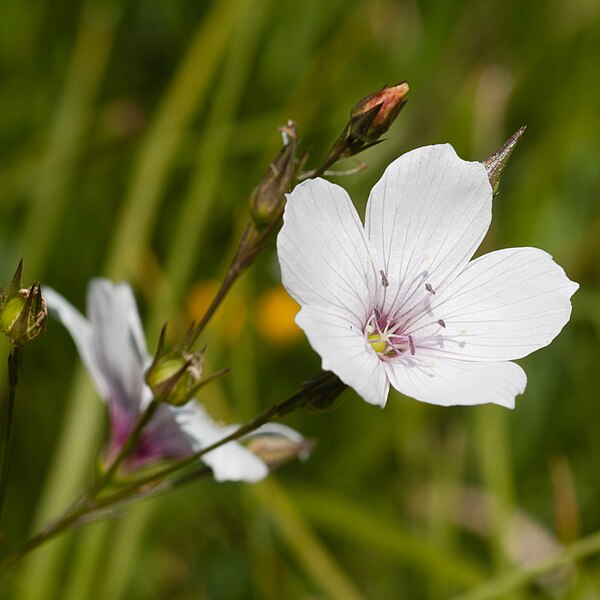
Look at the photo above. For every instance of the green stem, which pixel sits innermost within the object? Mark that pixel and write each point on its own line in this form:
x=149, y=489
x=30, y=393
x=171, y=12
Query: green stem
x=324, y=384
x=87, y=504
x=50, y=531
x=124, y=452
x=119, y=499
x=230, y=278
x=14, y=363
x=504, y=585
x=332, y=158
x=251, y=245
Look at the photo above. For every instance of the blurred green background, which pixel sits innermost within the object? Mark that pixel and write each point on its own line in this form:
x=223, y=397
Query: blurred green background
x=131, y=134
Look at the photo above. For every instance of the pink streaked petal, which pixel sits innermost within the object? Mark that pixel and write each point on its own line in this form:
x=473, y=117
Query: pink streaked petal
x=452, y=382
x=503, y=306
x=325, y=257
x=426, y=217
x=345, y=351
x=230, y=462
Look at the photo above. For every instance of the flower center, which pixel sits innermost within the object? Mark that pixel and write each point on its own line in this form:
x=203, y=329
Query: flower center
x=389, y=334
x=387, y=338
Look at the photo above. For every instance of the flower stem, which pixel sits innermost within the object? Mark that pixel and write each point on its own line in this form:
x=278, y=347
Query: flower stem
x=334, y=155
x=14, y=363
x=124, y=452
x=324, y=386
x=505, y=585
x=69, y=518
x=87, y=503
x=252, y=244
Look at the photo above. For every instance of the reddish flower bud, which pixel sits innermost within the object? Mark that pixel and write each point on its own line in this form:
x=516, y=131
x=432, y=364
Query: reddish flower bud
x=372, y=116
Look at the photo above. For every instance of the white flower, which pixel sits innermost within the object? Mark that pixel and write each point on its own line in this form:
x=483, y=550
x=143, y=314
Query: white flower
x=113, y=349
x=400, y=301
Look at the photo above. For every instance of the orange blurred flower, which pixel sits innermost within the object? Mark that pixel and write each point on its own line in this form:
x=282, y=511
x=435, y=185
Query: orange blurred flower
x=275, y=312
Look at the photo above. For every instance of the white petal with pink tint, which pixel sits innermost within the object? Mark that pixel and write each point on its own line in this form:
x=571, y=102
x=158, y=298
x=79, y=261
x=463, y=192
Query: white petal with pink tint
x=403, y=303
x=325, y=257
x=82, y=333
x=450, y=382
x=503, y=306
x=345, y=351
x=230, y=462
x=113, y=349
x=426, y=217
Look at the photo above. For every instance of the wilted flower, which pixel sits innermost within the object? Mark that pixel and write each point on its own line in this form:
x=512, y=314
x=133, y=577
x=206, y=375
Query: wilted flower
x=276, y=444
x=400, y=301
x=112, y=347
x=268, y=197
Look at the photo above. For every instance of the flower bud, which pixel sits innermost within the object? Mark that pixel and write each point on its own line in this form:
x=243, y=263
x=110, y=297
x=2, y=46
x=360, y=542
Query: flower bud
x=494, y=164
x=276, y=444
x=22, y=311
x=322, y=392
x=174, y=376
x=268, y=198
x=372, y=116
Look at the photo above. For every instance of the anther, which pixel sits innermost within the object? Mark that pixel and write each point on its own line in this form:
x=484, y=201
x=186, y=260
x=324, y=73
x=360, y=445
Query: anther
x=411, y=344
x=384, y=279
x=429, y=288
x=442, y=323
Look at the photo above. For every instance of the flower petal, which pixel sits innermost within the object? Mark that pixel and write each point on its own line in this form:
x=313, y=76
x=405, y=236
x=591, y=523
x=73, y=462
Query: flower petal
x=426, y=217
x=120, y=346
x=345, y=351
x=450, y=382
x=325, y=257
x=503, y=306
x=163, y=438
x=230, y=462
x=82, y=333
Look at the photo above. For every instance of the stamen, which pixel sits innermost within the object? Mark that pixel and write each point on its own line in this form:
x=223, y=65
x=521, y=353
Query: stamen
x=384, y=279
x=442, y=323
x=429, y=288
x=411, y=344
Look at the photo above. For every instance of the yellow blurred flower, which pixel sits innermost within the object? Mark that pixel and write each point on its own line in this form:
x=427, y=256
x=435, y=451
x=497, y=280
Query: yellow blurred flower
x=275, y=312
x=230, y=318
